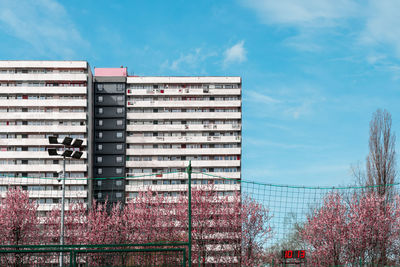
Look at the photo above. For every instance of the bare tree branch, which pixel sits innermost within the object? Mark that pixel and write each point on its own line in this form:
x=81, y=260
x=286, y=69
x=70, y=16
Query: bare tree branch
x=381, y=160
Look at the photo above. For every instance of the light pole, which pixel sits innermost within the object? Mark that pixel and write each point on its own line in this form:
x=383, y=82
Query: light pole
x=189, y=172
x=67, y=142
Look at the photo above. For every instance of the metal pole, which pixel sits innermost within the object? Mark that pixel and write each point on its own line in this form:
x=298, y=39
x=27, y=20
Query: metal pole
x=62, y=212
x=189, y=171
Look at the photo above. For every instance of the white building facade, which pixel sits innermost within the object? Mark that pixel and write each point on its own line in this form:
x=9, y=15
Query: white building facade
x=174, y=120
x=166, y=122
x=40, y=99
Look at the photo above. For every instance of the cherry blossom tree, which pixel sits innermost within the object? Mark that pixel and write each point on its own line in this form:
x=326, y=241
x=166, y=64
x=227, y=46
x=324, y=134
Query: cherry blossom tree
x=75, y=221
x=230, y=226
x=206, y=208
x=103, y=227
x=148, y=218
x=226, y=229
x=255, y=231
x=373, y=228
x=326, y=231
x=340, y=233
x=19, y=224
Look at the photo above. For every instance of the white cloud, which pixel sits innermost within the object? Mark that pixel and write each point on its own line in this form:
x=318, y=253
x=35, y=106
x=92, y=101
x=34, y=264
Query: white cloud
x=236, y=53
x=44, y=24
x=382, y=24
x=257, y=97
x=375, y=58
x=303, y=108
x=191, y=60
x=293, y=103
x=188, y=59
x=311, y=13
x=304, y=41
x=366, y=25
x=265, y=143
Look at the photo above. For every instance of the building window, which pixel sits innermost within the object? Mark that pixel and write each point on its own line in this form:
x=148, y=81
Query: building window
x=99, y=147
x=99, y=195
x=100, y=171
x=118, y=159
x=118, y=171
x=118, y=194
x=100, y=134
x=120, y=98
x=119, y=135
x=118, y=146
x=119, y=122
x=99, y=183
x=100, y=110
x=100, y=122
x=99, y=159
x=120, y=87
x=119, y=110
x=100, y=98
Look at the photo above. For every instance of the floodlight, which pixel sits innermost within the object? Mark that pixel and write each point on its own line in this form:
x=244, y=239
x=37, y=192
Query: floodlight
x=52, y=152
x=67, y=153
x=67, y=141
x=77, y=155
x=53, y=140
x=77, y=142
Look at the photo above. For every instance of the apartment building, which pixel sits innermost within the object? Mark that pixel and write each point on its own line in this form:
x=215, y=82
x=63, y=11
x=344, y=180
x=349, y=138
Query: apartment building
x=39, y=99
x=171, y=120
x=132, y=127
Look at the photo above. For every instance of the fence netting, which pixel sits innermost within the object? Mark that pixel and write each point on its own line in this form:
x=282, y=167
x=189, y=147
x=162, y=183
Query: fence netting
x=235, y=222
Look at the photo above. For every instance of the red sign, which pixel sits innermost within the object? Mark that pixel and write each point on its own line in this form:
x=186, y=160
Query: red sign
x=293, y=254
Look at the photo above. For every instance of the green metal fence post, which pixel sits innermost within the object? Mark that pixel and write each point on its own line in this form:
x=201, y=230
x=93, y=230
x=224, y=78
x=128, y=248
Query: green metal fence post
x=189, y=171
x=74, y=258
x=71, y=259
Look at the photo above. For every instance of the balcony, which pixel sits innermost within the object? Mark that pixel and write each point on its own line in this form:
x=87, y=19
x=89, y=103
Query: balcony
x=42, y=167
x=183, y=139
x=183, y=104
x=43, y=77
x=69, y=64
x=178, y=188
x=28, y=142
x=50, y=207
x=184, y=92
x=43, y=102
x=183, y=80
x=30, y=155
x=182, y=163
x=40, y=181
x=43, y=129
x=183, y=127
x=183, y=175
x=57, y=194
x=184, y=151
x=45, y=90
x=43, y=115
x=183, y=115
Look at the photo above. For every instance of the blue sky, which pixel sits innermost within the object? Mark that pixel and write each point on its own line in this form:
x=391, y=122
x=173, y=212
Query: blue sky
x=313, y=71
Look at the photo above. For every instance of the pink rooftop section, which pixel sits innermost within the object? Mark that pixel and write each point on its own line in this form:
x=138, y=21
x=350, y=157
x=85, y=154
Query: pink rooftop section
x=110, y=72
